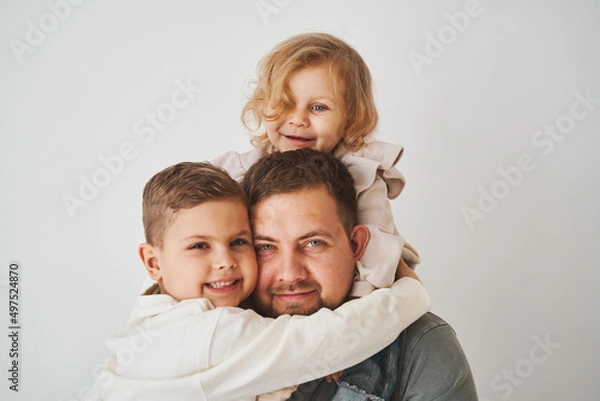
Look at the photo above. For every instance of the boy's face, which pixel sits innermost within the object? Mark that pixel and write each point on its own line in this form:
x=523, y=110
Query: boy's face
x=317, y=119
x=207, y=252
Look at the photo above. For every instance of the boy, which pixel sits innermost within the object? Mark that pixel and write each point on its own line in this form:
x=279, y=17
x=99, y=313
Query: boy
x=186, y=338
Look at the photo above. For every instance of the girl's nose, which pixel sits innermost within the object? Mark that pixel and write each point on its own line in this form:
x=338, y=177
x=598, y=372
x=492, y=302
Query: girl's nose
x=298, y=117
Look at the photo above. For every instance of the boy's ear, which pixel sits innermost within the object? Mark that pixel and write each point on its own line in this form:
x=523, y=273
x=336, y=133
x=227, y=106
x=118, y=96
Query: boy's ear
x=359, y=237
x=148, y=255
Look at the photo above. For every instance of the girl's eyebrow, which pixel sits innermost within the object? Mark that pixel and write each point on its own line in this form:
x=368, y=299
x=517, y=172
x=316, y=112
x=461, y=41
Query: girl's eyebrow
x=317, y=98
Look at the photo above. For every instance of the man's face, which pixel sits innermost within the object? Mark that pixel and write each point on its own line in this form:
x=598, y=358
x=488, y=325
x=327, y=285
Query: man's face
x=305, y=258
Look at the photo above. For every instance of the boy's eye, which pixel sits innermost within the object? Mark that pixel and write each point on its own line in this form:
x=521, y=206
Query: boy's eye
x=239, y=242
x=199, y=245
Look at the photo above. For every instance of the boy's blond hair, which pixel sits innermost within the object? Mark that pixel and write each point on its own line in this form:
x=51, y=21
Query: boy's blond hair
x=183, y=186
x=352, y=79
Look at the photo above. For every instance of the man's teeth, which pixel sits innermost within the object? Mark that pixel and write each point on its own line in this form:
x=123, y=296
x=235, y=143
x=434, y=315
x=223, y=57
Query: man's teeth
x=221, y=284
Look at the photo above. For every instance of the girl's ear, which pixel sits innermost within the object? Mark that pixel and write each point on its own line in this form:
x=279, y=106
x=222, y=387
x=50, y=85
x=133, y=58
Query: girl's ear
x=359, y=237
x=148, y=255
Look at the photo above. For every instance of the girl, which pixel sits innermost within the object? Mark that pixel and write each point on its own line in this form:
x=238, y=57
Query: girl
x=314, y=91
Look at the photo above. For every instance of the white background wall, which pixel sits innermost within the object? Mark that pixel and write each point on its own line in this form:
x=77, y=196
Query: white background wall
x=523, y=271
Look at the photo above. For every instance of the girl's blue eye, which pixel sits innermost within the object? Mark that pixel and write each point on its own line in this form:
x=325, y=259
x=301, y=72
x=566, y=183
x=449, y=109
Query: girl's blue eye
x=319, y=107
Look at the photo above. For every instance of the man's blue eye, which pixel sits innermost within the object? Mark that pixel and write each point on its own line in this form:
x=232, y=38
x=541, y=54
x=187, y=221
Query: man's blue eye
x=264, y=247
x=199, y=245
x=314, y=242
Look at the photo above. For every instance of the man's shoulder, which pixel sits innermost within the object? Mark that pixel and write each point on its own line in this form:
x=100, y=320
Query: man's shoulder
x=425, y=324
x=433, y=364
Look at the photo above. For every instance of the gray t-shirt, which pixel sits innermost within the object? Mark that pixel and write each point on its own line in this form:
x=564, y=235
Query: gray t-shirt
x=432, y=366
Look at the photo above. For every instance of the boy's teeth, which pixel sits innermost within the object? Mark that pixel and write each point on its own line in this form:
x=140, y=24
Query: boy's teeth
x=221, y=284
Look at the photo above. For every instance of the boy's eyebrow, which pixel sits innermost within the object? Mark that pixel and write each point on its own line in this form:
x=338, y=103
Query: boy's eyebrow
x=199, y=236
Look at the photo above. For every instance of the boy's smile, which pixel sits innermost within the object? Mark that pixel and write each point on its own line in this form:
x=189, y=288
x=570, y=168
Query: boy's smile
x=317, y=118
x=207, y=252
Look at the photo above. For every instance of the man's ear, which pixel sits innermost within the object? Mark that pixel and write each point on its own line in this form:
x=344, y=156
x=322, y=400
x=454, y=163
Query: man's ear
x=148, y=255
x=359, y=237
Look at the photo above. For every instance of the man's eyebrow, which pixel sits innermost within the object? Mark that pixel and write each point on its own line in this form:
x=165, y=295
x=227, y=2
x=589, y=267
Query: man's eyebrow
x=262, y=238
x=319, y=233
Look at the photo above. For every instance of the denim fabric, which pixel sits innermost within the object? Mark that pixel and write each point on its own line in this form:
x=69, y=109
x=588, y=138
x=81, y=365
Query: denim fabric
x=373, y=379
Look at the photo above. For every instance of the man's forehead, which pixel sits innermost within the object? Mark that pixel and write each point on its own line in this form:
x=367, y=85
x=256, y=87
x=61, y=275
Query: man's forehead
x=312, y=210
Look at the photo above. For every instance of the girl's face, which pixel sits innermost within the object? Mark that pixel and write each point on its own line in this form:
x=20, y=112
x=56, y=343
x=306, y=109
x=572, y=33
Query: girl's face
x=316, y=120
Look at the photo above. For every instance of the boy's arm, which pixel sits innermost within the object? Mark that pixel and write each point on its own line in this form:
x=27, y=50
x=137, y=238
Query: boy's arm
x=295, y=349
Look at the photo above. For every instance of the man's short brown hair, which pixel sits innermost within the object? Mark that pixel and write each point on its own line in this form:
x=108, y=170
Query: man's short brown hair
x=183, y=186
x=295, y=170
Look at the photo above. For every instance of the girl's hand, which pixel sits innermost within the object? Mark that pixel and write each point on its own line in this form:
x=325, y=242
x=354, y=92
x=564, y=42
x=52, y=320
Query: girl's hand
x=335, y=377
x=405, y=271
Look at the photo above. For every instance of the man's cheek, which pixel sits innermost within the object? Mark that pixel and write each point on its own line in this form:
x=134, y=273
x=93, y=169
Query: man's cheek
x=260, y=293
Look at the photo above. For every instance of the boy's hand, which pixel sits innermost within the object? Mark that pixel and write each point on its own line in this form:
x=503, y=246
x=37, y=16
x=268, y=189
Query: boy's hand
x=335, y=377
x=404, y=271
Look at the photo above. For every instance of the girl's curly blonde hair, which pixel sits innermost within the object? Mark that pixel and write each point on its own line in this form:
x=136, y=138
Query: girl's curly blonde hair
x=351, y=75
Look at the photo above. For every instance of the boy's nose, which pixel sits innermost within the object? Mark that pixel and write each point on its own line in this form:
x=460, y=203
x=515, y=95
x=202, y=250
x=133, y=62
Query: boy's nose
x=223, y=260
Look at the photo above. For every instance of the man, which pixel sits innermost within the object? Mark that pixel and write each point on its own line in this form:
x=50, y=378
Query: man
x=303, y=214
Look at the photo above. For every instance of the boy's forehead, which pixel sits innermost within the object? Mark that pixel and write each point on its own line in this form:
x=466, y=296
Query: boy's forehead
x=205, y=216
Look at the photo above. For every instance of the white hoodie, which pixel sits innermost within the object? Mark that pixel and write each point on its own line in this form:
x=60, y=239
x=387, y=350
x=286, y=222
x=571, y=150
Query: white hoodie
x=190, y=350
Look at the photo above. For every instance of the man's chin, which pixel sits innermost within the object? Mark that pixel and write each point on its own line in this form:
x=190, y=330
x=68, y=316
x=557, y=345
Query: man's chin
x=294, y=309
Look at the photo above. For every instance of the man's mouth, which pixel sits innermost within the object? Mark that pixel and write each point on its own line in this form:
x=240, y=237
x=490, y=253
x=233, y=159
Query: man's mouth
x=294, y=296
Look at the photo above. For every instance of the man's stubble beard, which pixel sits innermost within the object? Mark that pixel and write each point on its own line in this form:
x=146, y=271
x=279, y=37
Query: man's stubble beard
x=299, y=308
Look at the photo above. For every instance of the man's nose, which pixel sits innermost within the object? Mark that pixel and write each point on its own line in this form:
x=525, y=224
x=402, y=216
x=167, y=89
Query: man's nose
x=291, y=267
x=223, y=259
